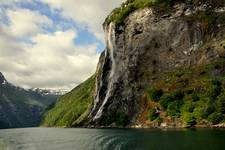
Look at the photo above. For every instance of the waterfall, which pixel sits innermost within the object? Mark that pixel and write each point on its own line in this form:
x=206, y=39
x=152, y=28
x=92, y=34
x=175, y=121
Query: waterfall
x=110, y=38
x=96, y=100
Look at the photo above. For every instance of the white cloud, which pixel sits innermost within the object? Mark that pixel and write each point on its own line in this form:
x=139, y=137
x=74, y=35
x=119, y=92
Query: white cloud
x=90, y=13
x=52, y=62
x=49, y=60
x=24, y=22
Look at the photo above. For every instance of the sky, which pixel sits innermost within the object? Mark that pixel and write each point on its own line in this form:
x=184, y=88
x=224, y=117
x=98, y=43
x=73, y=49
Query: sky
x=53, y=44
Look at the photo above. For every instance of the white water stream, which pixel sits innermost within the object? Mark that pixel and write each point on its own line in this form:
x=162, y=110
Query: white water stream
x=111, y=47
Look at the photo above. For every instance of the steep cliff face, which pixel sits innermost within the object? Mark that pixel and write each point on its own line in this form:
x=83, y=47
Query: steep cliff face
x=163, y=66
x=149, y=42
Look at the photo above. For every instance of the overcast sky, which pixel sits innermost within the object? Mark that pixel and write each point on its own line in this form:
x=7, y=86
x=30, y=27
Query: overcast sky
x=51, y=43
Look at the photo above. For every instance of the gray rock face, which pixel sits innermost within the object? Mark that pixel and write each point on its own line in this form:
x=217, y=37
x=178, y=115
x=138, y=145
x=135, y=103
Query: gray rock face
x=148, y=43
x=2, y=78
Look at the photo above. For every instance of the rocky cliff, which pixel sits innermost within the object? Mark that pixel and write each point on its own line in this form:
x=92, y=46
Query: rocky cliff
x=152, y=41
x=156, y=65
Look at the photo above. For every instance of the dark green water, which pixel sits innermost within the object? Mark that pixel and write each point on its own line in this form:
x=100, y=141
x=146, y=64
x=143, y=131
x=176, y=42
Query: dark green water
x=111, y=139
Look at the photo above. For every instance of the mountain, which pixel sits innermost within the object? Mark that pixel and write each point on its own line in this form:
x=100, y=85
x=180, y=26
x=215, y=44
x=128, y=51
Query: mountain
x=163, y=66
x=20, y=107
x=49, y=91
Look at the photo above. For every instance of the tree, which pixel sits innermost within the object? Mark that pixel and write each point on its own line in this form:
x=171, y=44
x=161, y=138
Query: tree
x=214, y=89
x=174, y=109
x=188, y=107
x=215, y=117
x=221, y=103
x=155, y=94
x=189, y=119
x=165, y=100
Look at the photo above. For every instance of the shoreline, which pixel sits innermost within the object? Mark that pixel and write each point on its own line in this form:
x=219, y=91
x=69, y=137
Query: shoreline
x=218, y=126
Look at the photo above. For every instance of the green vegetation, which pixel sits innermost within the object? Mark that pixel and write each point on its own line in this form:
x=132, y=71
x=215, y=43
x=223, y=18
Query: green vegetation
x=153, y=114
x=214, y=89
x=168, y=98
x=159, y=120
x=215, y=117
x=155, y=94
x=188, y=107
x=191, y=94
x=120, y=14
x=72, y=107
x=174, y=108
x=189, y=119
x=221, y=103
x=165, y=100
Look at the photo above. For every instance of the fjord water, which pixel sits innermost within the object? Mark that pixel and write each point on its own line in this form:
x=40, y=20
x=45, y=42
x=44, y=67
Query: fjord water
x=111, y=139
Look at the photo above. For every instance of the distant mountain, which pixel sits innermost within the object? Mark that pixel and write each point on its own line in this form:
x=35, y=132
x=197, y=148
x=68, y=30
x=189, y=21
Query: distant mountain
x=20, y=107
x=49, y=92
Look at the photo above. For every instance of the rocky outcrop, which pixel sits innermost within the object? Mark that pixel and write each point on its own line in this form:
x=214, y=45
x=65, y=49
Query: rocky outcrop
x=2, y=78
x=151, y=41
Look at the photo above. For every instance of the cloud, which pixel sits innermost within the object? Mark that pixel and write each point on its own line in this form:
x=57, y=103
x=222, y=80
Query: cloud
x=24, y=22
x=90, y=13
x=49, y=59
x=53, y=61
x=59, y=61
x=38, y=51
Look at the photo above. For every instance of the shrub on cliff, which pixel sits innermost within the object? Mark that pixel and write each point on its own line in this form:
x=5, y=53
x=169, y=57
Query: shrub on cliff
x=153, y=114
x=188, y=107
x=210, y=108
x=214, y=89
x=174, y=109
x=215, y=117
x=155, y=94
x=195, y=97
x=165, y=100
x=189, y=119
x=177, y=95
x=221, y=103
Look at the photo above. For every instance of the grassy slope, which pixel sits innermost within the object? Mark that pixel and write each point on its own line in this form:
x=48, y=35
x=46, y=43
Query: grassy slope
x=71, y=107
